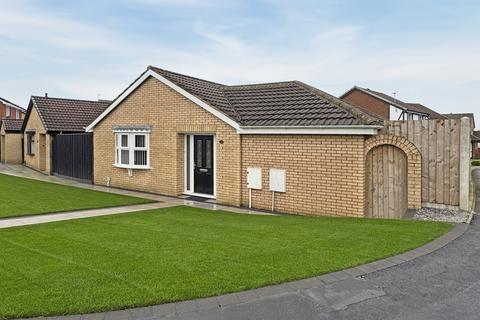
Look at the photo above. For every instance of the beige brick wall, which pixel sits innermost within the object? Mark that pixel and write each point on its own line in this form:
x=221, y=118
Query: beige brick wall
x=170, y=116
x=41, y=159
x=10, y=147
x=324, y=174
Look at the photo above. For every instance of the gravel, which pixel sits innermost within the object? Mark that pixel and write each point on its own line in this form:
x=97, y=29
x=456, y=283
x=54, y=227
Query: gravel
x=445, y=215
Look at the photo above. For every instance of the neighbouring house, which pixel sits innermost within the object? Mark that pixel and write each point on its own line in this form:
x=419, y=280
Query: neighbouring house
x=48, y=117
x=11, y=141
x=284, y=145
x=388, y=107
x=10, y=110
x=476, y=145
x=470, y=116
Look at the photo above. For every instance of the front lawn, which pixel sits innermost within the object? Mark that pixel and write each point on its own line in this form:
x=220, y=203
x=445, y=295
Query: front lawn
x=179, y=253
x=22, y=197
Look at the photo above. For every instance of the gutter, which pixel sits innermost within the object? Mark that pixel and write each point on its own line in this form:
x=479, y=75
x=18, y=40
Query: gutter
x=320, y=130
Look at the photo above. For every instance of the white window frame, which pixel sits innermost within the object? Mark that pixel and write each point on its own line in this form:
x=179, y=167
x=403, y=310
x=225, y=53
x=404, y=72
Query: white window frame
x=8, y=111
x=131, y=148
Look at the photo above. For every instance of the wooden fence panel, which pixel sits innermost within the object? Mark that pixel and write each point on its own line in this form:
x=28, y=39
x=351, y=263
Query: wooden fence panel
x=386, y=169
x=439, y=144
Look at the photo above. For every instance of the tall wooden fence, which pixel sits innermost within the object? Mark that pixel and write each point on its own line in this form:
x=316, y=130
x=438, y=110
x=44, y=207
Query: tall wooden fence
x=440, y=144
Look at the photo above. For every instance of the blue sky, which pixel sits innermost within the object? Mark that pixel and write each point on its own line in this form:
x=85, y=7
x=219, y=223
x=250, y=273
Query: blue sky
x=426, y=51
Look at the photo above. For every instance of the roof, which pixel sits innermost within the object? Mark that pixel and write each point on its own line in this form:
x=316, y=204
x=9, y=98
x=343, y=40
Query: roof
x=290, y=103
x=67, y=115
x=412, y=107
x=476, y=136
x=11, y=104
x=461, y=115
x=12, y=125
x=423, y=109
x=458, y=115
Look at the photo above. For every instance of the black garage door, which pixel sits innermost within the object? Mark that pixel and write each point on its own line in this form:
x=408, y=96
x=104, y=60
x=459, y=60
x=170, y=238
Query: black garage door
x=72, y=156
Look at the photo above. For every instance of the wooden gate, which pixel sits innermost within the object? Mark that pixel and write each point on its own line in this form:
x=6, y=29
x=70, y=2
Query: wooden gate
x=72, y=156
x=386, y=185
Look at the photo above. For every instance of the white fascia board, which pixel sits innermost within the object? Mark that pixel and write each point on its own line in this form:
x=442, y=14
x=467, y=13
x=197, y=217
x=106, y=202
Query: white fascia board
x=317, y=130
x=151, y=73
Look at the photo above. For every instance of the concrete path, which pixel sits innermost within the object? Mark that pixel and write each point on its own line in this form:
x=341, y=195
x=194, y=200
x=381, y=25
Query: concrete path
x=163, y=201
x=44, y=218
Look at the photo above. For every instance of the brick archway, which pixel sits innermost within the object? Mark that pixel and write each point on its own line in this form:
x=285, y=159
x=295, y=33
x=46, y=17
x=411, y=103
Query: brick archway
x=414, y=163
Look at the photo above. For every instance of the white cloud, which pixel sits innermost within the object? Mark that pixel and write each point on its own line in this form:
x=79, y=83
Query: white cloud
x=25, y=23
x=83, y=59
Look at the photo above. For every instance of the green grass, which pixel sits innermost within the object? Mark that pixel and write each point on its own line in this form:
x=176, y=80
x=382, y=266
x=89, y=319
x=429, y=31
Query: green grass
x=23, y=197
x=179, y=253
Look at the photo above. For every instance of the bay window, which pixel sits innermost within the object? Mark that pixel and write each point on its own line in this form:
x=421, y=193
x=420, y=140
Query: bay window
x=132, y=149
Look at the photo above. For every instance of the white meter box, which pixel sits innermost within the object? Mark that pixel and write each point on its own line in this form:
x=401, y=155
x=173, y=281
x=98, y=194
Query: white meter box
x=254, y=178
x=277, y=180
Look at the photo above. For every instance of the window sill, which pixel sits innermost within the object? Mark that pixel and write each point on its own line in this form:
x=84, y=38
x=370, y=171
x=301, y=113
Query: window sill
x=131, y=167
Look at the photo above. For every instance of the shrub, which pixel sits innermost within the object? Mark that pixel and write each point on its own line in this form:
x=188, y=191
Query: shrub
x=476, y=163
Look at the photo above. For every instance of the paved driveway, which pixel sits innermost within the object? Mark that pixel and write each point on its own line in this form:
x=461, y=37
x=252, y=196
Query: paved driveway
x=444, y=284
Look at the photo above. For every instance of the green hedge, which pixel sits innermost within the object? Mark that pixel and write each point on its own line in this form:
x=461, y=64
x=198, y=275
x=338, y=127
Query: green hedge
x=476, y=163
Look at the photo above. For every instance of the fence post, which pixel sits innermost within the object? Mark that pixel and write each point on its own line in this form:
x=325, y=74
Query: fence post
x=464, y=162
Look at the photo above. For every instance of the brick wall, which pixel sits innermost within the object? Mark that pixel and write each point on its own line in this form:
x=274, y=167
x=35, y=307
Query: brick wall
x=41, y=159
x=13, y=112
x=10, y=147
x=170, y=116
x=324, y=174
x=368, y=103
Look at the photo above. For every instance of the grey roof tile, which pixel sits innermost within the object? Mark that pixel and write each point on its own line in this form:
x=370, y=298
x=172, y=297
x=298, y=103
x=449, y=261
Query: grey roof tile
x=423, y=109
x=67, y=115
x=12, y=125
x=290, y=103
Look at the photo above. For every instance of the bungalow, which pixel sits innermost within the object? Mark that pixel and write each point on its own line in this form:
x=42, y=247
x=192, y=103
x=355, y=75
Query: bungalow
x=388, y=107
x=11, y=141
x=282, y=146
x=47, y=117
